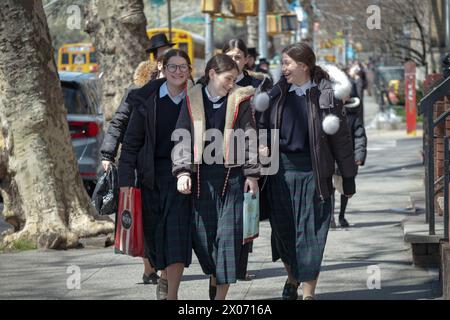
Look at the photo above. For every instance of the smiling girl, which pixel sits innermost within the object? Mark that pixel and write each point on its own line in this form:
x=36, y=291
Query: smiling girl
x=218, y=188
x=147, y=149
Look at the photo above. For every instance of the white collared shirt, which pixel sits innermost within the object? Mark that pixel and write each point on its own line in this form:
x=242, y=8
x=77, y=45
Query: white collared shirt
x=240, y=77
x=213, y=99
x=164, y=91
x=301, y=90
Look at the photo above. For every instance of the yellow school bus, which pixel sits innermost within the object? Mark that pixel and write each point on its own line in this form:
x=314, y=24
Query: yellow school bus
x=192, y=44
x=80, y=57
x=77, y=57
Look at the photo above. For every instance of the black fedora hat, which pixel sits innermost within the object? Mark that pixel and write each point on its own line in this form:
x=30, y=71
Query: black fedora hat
x=252, y=52
x=159, y=40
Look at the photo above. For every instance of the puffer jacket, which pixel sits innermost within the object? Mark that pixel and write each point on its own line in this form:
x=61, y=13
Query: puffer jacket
x=145, y=72
x=325, y=149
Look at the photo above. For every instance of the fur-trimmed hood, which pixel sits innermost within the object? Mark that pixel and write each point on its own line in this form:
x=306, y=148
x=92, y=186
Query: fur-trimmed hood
x=257, y=75
x=197, y=112
x=340, y=83
x=145, y=71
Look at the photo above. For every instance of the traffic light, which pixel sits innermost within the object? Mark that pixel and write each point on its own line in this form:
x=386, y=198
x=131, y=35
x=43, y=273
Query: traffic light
x=244, y=7
x=211, y=6
x=289, y=22
x=273, y=24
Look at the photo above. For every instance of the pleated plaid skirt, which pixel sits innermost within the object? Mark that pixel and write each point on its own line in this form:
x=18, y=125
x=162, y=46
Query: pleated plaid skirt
x=300, y=221
x=217, y=235
x=167, y=219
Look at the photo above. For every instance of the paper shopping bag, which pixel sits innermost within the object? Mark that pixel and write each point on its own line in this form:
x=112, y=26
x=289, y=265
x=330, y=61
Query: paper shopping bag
x=251, y=217
x=129, y=238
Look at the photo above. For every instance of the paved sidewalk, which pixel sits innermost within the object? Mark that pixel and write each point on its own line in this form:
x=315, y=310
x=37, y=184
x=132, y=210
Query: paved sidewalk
x=373, y=243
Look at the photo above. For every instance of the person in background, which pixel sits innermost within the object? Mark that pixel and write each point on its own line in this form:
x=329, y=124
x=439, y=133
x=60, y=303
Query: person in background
x=158, y=45
x=359, y=140
x=251, y=61
x=264, y=67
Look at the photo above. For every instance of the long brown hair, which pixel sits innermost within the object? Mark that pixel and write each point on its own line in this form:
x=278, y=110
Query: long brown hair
x=219, y=63
x=302, y=52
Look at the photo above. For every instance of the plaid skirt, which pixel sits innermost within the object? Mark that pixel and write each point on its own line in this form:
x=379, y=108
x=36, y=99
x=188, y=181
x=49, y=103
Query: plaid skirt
x=167, y=219
x=300, y=221
x=217, y=235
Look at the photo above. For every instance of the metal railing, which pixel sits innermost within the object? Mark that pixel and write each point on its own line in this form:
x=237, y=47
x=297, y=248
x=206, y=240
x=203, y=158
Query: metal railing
x=426, y=107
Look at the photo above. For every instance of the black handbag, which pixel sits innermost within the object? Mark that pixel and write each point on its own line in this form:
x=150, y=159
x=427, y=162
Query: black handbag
x=106, y=193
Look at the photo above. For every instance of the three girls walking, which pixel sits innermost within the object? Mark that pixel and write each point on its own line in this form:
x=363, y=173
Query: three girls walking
x=190, y=203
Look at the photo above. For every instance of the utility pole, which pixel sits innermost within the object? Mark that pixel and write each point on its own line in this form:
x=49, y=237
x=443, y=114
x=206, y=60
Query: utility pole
x=447, y=24
x=209, y=36
x=262, y=28
x=169, y=18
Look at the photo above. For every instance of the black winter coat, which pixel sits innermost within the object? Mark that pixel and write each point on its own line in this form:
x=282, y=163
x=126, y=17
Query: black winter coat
x=358, y=133
x=138, y=146
x=118, y=126
x=325, y=149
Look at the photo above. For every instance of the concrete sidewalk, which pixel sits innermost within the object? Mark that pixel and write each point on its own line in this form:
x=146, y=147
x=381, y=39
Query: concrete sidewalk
x=372, y=246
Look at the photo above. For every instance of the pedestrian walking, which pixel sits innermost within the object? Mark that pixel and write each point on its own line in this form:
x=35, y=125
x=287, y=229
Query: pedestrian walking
x=218, y=188
x=313, y=135
x=359, y=140
x=147, y=148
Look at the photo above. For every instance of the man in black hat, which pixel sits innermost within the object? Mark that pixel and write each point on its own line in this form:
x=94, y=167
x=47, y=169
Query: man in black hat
x=264, y=67
x=252, y=56
x=159, y=44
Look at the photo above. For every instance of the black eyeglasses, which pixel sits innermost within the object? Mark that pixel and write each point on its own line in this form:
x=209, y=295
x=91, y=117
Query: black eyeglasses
x=172, y=68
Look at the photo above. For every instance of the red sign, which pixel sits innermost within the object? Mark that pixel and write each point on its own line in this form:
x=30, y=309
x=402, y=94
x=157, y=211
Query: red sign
x=410, y=97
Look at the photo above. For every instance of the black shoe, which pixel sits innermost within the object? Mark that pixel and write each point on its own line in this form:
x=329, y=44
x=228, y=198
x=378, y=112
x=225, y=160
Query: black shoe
x=151, y=278
x=290, y=291
x=212, y=290
x=343, y=223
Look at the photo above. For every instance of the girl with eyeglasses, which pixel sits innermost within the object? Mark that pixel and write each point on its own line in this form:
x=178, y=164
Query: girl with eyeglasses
x=218, y=187
x=147, y=148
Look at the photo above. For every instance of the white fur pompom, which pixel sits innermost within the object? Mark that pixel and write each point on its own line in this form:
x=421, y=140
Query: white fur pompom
x=261, y=101
x=330, y=124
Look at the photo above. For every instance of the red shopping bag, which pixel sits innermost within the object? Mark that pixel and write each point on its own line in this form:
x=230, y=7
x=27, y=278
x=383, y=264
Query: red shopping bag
x=129, y=237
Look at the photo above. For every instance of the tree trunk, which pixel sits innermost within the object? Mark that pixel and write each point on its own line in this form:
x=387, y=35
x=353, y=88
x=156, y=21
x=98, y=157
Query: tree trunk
x=44, y=197
x=118, y=30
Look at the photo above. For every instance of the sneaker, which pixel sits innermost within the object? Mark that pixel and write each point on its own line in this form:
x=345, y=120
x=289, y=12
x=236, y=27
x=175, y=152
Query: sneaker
x=343, y=223
x=290, y=291
x=162, y=289
x=151, y=278
x=309, y=298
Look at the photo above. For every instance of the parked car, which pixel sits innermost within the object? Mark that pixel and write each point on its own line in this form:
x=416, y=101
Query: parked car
x=81, y=99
